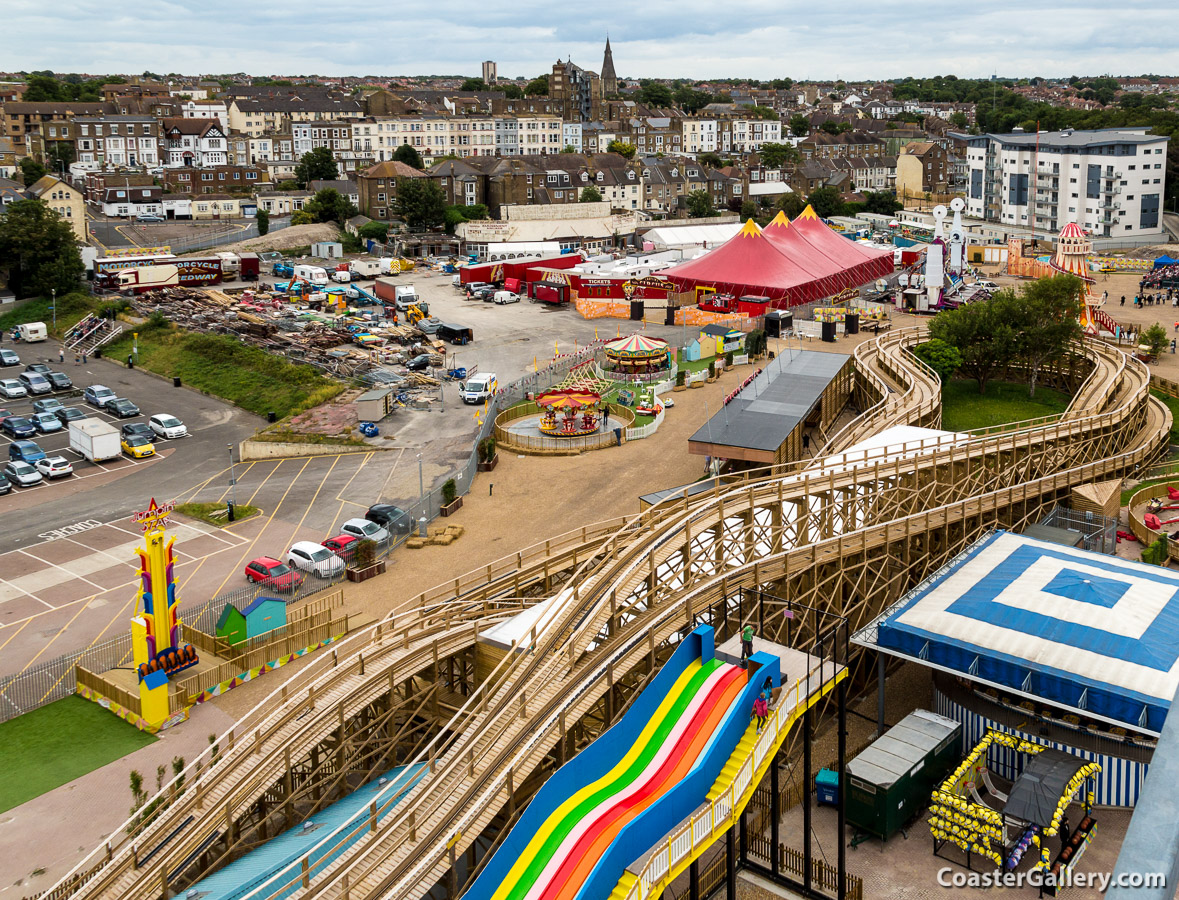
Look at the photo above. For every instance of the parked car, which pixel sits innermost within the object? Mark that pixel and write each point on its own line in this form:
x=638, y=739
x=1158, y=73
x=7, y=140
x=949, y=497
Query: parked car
x=392, y=518
x=138, y=428
x=11, y=389
x=419, y=363
x=365, y=528
x=502, y=297
x=22, y=474
x=49, y=404
x=25, y=451
x=60, y=381
x=137, y=446
x=272, y=573
x=8, y=357
x=97, y=395
x=121, y=407
x=487, y=294
x=147, y=219
x=343, y=545
x=18, y=427
x=67, y=414
x=314, y=558
x=167, y=426
x=986, y=284
x=46, y=422
x=5, y=413
x=35, y=383
x=5, y=484
x=54, y=467
x=39, y=368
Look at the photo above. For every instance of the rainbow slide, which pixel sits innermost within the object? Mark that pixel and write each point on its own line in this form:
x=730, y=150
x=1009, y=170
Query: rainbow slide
x=609, y=805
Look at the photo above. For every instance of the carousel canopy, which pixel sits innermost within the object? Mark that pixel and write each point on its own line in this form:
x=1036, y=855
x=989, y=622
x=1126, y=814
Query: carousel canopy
x=792, y=263
x=568, y=399
x=636, y=345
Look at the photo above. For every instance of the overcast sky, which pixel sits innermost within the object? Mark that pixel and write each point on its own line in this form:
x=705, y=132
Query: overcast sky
x=689, y=38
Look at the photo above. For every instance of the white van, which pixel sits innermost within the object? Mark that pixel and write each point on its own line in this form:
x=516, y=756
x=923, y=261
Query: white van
x=313, y=274
x=32, y=332
x=502, y=297
x=479, y=387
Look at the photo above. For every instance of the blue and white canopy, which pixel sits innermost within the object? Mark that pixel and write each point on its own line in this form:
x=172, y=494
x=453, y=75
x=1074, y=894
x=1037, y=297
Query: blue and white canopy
x=1085, y=631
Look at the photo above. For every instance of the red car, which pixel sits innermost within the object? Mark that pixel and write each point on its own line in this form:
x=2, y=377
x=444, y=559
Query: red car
x=272, y=573
x=343, y=545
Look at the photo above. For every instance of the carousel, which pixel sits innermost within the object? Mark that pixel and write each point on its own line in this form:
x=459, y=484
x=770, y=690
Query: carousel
x=570, y=413
x=638, y=354
x=1072, y=258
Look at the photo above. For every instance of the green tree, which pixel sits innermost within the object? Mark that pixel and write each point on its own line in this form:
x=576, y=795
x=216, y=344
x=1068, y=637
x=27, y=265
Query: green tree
x=699, y=204
x=830, y=126
x=826, y=202
x=1155, y=340
x=329, y=205
x=31, y=171
x=42, y=89
x=537, y=87
x=845, y=127
x=456, y=215
x=377, y=231
x=958, y=119
x=1046, y=322
x=791, y=204
x=939, y=356
x=302, y=217
x=710, y=159
x=59, y=157
x=689, y=99
x=568, y=148
x=289, y=185
x=474, y=84
x=800, y=126
x=775, y=156
x=755, y=343
x=652, y=93
x=420, y=202
x=763, y=112
x=409, y=156
x=38, y=250
x=748, y=210
x=982, y=333
x=622, y=148
x=512, y=91
x=590, y=194
x=883, y=202
x=262, y=217
x=316, y=165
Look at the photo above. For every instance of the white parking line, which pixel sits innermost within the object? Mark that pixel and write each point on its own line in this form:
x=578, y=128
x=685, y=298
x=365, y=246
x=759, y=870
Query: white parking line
x=69, y=574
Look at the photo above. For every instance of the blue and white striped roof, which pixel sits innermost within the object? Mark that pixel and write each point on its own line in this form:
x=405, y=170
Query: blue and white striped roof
x=1082, y=630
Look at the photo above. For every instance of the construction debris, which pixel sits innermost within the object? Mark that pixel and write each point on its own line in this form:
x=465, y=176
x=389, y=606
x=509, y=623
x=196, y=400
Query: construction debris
x=343, y=345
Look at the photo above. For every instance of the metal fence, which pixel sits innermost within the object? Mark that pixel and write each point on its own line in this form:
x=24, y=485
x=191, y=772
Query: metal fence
x=204, y=242
x=1098, y=533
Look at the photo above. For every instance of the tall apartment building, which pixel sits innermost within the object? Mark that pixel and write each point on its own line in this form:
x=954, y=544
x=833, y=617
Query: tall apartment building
x=578, y=89
x=432, y=136
x=1110, y=182
x=118, y=141
x=489, y=76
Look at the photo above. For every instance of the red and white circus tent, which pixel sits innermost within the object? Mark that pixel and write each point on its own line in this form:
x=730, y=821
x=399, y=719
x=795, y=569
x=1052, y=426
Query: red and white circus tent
x=789, y=262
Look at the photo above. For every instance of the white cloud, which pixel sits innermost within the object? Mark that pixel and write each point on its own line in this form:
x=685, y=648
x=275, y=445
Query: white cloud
x=690, y=38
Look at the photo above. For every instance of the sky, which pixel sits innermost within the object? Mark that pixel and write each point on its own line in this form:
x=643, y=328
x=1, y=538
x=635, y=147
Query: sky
x=760, y=39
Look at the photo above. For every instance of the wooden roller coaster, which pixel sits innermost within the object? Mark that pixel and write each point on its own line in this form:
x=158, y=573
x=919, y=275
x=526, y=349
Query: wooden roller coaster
x=847, y=534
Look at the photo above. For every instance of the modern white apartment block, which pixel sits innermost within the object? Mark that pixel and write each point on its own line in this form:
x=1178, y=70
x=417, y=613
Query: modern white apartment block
x=1110, y=182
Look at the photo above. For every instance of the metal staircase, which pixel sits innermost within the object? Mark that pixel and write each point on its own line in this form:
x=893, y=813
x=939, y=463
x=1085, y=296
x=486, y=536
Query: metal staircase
x=91, y=333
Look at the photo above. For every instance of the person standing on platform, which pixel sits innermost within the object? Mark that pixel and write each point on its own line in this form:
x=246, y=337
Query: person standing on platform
x=746, y=644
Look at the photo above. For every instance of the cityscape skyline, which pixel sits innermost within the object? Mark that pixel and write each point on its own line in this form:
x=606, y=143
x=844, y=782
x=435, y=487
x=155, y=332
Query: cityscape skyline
x=754, y=39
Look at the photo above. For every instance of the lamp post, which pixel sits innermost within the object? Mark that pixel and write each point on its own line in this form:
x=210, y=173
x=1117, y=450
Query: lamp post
x=232, y=480
x=53, y=307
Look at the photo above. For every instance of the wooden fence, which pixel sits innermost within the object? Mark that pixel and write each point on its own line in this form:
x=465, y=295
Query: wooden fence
x=129, y=700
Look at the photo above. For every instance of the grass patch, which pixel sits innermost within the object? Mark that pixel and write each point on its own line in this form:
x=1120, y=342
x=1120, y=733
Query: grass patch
x=206, y=512
x=1173, y=406
x=285, y=435
x=71, y=309
x=55, y=744
x=221, y=365
x=964, y=409
x=295, y=252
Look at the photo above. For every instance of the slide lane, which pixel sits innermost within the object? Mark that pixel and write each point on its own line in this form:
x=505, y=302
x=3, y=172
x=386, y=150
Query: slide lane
x=688, y=692
x=608, y=820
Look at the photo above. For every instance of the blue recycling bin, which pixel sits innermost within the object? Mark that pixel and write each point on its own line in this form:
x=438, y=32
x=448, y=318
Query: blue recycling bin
x=827, y=787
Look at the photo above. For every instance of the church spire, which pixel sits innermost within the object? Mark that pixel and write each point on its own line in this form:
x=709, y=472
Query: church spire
x=609, y=78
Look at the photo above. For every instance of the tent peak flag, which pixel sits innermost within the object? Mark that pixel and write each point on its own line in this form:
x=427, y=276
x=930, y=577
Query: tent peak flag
x=749, y=229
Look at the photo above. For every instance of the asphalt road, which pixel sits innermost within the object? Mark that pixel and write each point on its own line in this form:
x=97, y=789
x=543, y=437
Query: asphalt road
x=181, y=235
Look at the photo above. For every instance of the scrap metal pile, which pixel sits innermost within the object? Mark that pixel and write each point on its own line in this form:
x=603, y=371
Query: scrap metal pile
x=267, y=321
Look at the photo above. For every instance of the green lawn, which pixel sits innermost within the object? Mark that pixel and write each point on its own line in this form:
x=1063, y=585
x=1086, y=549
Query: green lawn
x=205, y=512
x=71, y=308
x=1173, y=405
x=55, y=744
x=964, y=409
x=221, y=365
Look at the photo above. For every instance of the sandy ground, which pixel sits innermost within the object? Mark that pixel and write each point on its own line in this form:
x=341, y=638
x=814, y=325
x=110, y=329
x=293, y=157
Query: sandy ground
x=293, y=236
